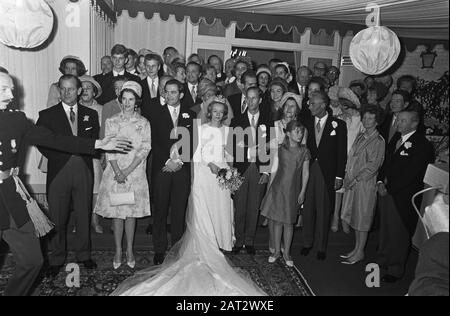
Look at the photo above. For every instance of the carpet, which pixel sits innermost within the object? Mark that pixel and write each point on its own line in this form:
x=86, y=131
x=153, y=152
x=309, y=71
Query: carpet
x=275, y=279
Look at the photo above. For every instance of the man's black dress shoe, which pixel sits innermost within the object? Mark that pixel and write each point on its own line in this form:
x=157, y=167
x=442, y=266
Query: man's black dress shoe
x=237, y=250
x=52, y=271
x=389, y=279
x=305, y=251
x=321, y=255
x=158, y=259
x=250, y=250
x=89, y=264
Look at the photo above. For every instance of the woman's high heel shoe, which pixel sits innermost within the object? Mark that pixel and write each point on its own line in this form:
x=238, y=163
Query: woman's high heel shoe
x=274, y=258
x=345, y=256
x=131, y=263
x=351, y=263
x=116, y=265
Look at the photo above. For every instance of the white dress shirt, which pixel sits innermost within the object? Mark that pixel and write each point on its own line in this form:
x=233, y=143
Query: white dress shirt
x=67, y=110
x=190, y=86
x=150, y=81
x=322, y=120
x=116, y=74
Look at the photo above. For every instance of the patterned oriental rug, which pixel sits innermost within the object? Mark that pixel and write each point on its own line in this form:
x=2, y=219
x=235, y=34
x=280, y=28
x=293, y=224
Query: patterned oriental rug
x=275, y=279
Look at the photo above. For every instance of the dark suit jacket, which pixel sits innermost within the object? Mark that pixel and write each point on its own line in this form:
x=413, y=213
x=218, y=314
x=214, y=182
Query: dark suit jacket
x=241, y=161
x=332, y=151
x=404, y=170
x=15, y=126
x=107, y=84
x=235, y=103
x=162, y=127
x=187, y=98
x=146, y=95
x=55, y=119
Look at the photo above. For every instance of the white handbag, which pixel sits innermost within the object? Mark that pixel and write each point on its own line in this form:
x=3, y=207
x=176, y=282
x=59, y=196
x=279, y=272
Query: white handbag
x=124, y=196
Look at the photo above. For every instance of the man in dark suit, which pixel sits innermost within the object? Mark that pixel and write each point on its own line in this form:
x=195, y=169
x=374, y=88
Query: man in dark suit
x=251, y=132
x=300, y=86
x=69, y=177
x=400, y=101
x=171, y=170
x=238, y=101
x=150, y=85
x=119, y=55
x=16, y=226
x=191, y=96
x=327, y=142
x=106, y=66
x=407, y=157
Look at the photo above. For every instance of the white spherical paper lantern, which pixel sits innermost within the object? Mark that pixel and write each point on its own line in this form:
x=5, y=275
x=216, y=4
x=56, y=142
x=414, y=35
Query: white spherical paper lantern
x=25, y=23
x=374, y=50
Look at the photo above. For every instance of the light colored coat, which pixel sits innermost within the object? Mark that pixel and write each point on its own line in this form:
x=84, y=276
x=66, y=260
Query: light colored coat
x=364, y=161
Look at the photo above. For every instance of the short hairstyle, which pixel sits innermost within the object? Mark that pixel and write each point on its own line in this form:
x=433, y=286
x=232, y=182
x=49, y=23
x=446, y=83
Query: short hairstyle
x=132, y=53
x=256, y=89
x=215, y=56
x=373, y=109
x=193, y=63
x=208, y=67
x=169, y=48
x=304, y=68
x=248, y=74
x=322, y=95
x=176, y=65
x=81, y=69
x=174, y=82
x=280, y=82
x=119, y=49
x=320, y=81
x=196, y=55
x=106, y=57
x=210, y=106
x=69, y=77
x=138, y=99
x=407, y=78
x=406, y=96
x=3, y=70
x=155, y=57
x=241, y=61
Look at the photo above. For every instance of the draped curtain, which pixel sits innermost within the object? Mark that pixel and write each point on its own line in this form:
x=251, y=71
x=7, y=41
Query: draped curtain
x=154, y=34
x=102, y=37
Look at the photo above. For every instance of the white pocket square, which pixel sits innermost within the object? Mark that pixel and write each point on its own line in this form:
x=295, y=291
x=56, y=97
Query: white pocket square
x=403, y=153
x=88, y=128
x=333, y=133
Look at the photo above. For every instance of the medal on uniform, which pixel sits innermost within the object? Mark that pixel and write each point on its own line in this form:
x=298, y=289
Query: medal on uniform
x=13, y=146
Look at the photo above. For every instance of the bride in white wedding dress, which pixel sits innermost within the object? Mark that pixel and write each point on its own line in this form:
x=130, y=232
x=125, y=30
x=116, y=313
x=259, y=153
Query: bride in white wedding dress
x=195, y=266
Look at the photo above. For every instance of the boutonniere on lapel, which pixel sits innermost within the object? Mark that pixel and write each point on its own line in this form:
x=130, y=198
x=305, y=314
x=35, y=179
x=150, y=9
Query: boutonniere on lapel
x=13, y=146
x=335, y=125
x=186, y=116
x=407, y=145
x=86, y=118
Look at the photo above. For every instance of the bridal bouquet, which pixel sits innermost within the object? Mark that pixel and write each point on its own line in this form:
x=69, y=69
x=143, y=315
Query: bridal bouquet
x=230, y=179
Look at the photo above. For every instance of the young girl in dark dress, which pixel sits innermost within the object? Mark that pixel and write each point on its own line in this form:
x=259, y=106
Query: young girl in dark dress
x=287, y=192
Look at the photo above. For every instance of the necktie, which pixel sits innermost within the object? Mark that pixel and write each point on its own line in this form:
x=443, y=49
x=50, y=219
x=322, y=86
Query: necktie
x=72, y=115
x=175, y=117
x=399, y=144
x=318, y=127
x=243, y=106
x=153, y=89
x=253, y=121
x=194, y=93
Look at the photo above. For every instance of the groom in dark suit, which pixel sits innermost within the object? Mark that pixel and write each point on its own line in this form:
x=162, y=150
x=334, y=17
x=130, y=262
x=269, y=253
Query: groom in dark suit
x=407, y=157
x=250, y=165
x=171, y=169
x=327, y=142
x=69, y=177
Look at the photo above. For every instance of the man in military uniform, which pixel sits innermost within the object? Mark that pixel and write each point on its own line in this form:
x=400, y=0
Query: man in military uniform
x=16, y=227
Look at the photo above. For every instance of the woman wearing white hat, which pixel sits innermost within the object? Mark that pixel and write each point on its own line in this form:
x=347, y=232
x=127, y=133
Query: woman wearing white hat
x=124, y=194
x=91, y=91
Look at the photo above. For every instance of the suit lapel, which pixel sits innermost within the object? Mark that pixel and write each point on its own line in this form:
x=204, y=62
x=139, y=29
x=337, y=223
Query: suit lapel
x=327, y=128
